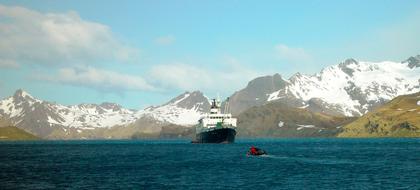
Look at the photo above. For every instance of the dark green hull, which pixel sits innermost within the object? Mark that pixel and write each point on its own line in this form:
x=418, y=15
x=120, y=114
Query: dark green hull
x=223, y=135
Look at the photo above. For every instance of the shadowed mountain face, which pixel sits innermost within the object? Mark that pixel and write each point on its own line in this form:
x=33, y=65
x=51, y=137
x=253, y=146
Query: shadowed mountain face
x=397, y=118
x=413, y=62
x=10, y=132
x=184, y=110
x=4, y=122
x=279, y=120
x=255, y=93
x=194, y=100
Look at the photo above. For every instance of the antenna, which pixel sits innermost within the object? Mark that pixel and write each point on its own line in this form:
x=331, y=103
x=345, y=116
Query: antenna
x=218, y=100
x=226, y=110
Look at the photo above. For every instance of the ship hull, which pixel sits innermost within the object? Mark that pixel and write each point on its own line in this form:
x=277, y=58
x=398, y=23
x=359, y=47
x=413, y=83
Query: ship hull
x=224, y=135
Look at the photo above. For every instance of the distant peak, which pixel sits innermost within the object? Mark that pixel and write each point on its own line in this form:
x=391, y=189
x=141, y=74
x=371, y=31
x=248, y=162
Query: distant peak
x=188, y=100
x=22, y=93
x=277, y=75
x=109, y=105
x=413, y=62
x=197, y=92
x=344, y=66
x=188, y=93
x=348, y=61
x=298, y=74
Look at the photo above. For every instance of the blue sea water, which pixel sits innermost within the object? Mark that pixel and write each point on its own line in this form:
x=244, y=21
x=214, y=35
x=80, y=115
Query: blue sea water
x=177, y=164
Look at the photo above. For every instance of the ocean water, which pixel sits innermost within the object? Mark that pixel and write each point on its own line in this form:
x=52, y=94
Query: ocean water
x=177, y=164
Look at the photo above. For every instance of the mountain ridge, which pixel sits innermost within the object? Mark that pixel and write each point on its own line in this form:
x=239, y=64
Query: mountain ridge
x=51, y=120
x=350, y=88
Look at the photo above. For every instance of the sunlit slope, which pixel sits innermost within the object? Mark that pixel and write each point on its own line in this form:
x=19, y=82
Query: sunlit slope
x=14, y=133
x=398, y=118
x=279, y=120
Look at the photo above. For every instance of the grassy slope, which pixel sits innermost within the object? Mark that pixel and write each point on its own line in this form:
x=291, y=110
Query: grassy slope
x=398, y=118
x=263, y=121
x=14, y=133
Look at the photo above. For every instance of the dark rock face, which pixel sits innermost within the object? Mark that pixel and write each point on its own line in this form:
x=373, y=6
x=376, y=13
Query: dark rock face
x=344, y=66
x=255, y=93
x=413, y=62
x=319, y=106
x=189, y=100
x=111, y=106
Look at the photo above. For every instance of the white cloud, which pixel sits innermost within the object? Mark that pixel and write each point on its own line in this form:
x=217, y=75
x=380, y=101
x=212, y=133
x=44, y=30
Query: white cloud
x=190, y=77
x=32, y=37
x=291, y=54
x=99, y=79
x=165, y=40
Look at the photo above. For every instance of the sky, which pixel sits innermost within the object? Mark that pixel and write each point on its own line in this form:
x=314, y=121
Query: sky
x=140, y=53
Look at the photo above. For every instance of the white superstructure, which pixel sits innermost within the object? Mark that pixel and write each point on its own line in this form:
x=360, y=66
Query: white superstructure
x=216, y=119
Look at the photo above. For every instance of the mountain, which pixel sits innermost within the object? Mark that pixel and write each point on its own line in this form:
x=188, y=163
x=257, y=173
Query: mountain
x=185, y=109
x=351, y=88
x=106, y=120
x=255, y=93
x=397, y=118
x=42, y=118
x=175, y=118
x=276, y=119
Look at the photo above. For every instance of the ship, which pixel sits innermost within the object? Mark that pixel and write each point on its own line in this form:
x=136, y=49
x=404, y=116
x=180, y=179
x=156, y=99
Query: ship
x=216, y=127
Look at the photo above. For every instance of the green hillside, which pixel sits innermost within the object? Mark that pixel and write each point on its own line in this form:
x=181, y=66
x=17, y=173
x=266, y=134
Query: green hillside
x=14, y=133
x=279, y=120
x=397, y=118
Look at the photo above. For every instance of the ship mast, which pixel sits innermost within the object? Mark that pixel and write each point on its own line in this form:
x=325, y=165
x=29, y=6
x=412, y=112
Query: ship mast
x=226, y=110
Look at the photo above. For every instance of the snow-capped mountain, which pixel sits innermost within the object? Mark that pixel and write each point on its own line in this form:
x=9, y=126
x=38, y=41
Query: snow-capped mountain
x=28, y=112
x=185, y=109
x=350, y=88
x=43, y=117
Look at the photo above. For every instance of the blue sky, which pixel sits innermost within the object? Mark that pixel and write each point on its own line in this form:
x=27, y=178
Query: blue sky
x=140, y=53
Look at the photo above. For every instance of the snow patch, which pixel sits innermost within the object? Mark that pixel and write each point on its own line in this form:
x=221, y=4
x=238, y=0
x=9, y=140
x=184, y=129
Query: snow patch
x=303, y=107
x=305, y=126
x=183, y=98
x=26, y=95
